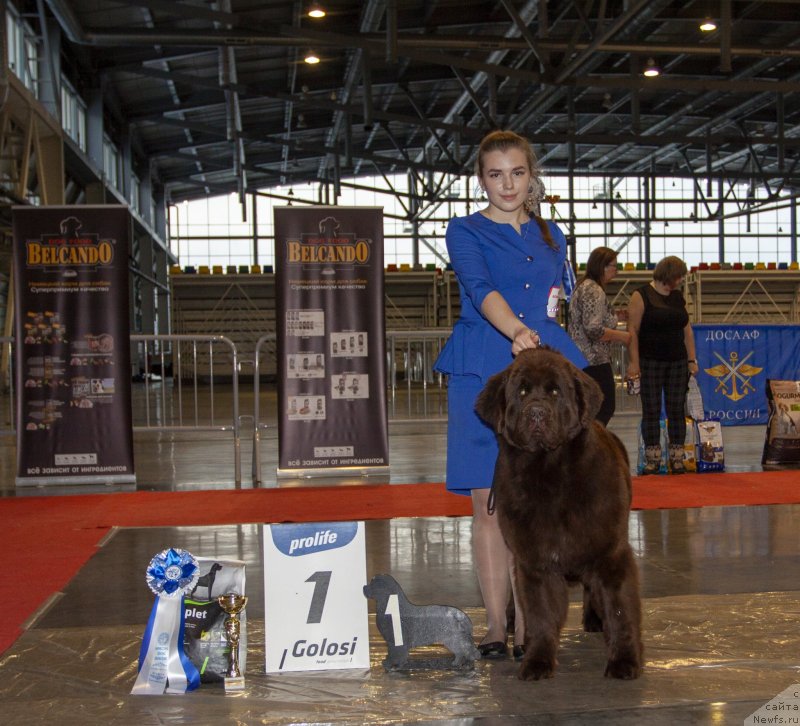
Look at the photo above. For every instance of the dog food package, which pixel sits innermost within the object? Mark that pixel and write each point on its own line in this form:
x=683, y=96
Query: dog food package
x=782, y=442
x=663, y=467
x=204, y=638
x=710, y=451
x=689, y=446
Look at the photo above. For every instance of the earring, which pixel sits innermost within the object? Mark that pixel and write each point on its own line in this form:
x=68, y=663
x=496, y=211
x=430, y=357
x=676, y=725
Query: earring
x=531, y=201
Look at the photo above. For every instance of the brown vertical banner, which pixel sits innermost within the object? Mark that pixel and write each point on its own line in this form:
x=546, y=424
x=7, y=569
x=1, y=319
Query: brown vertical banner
x=331, y=341
x=72, y=345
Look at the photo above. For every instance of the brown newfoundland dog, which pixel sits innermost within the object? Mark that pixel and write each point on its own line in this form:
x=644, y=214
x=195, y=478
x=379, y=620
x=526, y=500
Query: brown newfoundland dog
x=562, y=489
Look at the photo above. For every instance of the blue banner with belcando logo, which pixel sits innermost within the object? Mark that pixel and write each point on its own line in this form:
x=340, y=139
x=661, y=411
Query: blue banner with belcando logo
x=735, y=362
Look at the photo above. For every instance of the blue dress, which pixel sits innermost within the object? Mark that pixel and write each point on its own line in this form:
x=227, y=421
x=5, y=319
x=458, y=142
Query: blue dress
x=487, y=256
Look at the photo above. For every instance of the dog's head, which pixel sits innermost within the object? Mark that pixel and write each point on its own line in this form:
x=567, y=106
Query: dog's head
x=381, y=586
x=540, y=401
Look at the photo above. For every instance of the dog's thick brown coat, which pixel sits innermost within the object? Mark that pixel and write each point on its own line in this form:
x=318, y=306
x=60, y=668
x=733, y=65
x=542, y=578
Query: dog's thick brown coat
x=563, y=491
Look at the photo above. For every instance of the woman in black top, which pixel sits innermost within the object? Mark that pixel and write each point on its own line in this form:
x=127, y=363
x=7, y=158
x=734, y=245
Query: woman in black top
x=662, y=351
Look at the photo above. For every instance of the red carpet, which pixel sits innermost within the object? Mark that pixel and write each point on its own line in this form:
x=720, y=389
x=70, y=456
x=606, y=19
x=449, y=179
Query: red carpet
x=50, y=538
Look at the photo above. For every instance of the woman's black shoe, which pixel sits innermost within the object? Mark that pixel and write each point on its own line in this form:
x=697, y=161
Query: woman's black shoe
x=519, y=652
x=493, y=651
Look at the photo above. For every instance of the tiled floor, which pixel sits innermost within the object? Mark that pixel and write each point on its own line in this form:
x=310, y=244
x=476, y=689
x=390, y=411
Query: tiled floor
x=719, y=587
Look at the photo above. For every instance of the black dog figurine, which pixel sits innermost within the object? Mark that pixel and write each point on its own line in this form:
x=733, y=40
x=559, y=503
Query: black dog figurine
x=418, y=625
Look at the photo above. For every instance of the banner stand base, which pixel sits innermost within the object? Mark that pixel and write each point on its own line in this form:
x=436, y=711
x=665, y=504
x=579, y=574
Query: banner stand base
x=341, y=471
x=43, y=481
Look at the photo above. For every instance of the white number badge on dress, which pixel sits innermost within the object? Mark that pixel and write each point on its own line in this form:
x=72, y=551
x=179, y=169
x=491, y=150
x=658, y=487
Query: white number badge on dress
x=552, y=302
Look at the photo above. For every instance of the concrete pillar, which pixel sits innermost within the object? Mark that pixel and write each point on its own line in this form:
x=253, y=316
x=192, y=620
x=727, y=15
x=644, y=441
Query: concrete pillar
x=160, y=207
x=94, y=127
x=145, y=195
x=163, y=324
x=148, y=289
x=126, y=152
x=50, y=70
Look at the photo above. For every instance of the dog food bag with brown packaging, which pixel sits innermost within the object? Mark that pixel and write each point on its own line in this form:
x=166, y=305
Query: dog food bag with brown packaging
x=782, y=442
x=710, y=451
x=204, y=638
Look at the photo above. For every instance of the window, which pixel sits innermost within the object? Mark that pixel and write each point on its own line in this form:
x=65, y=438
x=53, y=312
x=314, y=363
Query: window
x=135, y=191
x=111, y=161
x=73, y=114
x=23, y=50
x=614, y=212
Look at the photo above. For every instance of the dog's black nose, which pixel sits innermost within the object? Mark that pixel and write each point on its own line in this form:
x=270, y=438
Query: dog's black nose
x=536, y=414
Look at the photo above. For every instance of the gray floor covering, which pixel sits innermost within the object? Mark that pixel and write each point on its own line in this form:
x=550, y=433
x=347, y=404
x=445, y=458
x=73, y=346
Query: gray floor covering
x=719, y=587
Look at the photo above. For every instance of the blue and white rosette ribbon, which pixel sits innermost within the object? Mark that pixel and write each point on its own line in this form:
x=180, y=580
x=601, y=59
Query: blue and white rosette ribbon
x=163, y=664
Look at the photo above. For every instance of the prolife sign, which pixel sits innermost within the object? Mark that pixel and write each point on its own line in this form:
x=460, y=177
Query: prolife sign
x=735, y=362
x=331, y=343
x=72, y=345
x=315, y=611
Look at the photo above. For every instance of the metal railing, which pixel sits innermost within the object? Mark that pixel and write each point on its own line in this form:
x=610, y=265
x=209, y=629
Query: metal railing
x=257, y=425
x=416, y=392
x=190, y=404
x=8, y=413
x=180, y=391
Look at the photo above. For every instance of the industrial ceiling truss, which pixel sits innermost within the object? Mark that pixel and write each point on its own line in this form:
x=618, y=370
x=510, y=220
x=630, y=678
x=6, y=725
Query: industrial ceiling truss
x=219, y=99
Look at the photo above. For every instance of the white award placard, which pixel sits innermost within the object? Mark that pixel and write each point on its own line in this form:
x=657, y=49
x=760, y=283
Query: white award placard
x=315, y=611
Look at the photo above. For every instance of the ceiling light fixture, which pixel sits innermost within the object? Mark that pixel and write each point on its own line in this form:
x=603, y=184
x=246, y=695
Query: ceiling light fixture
x=316, y=11
x=311, y=58
x=651, y=70
x=708, y=25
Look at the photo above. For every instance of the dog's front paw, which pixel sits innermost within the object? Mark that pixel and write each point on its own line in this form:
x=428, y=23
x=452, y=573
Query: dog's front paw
x=535, y=670
x=394, y=664
x=625, y=668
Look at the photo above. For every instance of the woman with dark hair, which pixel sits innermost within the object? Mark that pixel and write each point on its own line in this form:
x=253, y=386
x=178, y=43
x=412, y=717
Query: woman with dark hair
x=662, y=350
x=509, y=264
x=593, y=325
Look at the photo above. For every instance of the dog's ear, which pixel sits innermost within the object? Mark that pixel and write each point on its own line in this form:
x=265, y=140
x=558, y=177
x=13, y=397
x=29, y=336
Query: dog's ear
x=491, y=402
x=590, y=397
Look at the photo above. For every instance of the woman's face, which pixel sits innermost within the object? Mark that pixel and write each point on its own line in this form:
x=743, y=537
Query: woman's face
x=610, y=271
x=675, y=283
x=506, y=178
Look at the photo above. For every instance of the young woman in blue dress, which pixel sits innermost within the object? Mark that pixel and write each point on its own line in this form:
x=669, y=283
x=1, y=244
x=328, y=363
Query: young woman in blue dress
x=509, y=265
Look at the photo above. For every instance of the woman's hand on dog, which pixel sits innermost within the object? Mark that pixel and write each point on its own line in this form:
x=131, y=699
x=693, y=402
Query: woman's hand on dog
x=524, y=338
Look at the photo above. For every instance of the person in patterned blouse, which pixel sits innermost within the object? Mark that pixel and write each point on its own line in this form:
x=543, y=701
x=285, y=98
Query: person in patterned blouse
x=593, y=325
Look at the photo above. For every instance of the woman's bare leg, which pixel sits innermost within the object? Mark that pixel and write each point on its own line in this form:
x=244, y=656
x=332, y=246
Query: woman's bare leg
x=494, y=565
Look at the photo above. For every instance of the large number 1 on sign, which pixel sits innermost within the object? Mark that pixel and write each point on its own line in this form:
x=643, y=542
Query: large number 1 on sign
x=321, y=581
x=393, y=611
